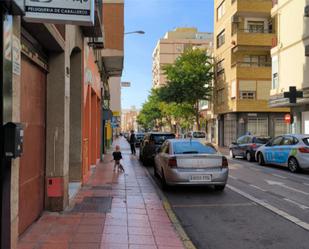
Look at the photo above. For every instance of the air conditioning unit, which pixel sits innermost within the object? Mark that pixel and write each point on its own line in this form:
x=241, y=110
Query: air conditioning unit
x=307, y=11
x=235, y=19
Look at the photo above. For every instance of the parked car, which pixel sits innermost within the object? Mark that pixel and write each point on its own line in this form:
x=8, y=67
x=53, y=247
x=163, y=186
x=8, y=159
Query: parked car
x=246, y=146
x=189, y=162
x=150, y=145
x=290, y=150
x=139, y=137
x=197, y=135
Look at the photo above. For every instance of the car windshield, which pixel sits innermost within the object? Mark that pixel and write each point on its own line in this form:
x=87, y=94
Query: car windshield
x=160, y=138
x=199, y=134
x=192, y=147
x=306, y=140
x=261, y=140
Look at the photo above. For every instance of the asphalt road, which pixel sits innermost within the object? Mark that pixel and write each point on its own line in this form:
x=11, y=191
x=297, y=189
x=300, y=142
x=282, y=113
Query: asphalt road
x=262, y=207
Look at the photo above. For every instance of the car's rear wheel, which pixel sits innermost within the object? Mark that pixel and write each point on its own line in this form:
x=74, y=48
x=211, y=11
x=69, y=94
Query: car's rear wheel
x=219, y=187
x=232, y=154
x=163, y=181
x=155, y=172
x=260, y=158
x=293, y=165
x=249, y=157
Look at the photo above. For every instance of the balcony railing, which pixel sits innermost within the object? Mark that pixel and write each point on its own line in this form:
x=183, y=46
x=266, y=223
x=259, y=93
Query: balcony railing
x=253, y=31
x=251, y=64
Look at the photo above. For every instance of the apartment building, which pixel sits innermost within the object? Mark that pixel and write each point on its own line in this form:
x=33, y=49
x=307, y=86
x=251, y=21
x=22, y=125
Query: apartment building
x=243, y=35
x=129, y=119
x=173, y=44
x=290, y=66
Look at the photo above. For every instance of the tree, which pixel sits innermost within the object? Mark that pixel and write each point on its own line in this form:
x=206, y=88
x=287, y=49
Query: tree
x=188, y=80
x=156, y=112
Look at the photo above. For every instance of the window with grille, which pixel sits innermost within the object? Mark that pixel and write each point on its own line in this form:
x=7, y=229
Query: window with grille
x=221, y=39
x=258, y=126
x=256, y=26
x=247, y=95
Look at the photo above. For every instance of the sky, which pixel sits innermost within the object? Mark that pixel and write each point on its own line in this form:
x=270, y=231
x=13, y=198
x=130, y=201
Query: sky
x=155, y=17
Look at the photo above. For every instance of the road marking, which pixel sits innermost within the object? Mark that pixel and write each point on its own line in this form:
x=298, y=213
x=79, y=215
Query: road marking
x=233, y=177
x=307, y=184
x=296, y=203
x=277, y=211
x=257, y=187
x=280, y=176
x=287, y=187
x=214, y=205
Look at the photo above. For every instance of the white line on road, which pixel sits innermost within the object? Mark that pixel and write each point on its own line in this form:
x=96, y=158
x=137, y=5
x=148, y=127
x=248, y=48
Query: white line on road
x=257, y=187
x=307, y=184
x=277, y=211
x=296, y=203
x=287, y=187
x=280, y=176
x=233, y=177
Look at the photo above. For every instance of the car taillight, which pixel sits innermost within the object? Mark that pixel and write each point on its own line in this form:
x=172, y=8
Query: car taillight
x=303, y=150
x=225, y=163
x=172, y=162
x=254, y=146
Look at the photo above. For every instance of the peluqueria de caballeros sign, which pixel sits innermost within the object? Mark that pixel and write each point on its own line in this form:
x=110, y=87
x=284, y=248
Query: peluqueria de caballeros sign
x=78, y=12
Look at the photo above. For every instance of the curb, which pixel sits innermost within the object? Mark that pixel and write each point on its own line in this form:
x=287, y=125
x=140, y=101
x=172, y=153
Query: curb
x=188, y=244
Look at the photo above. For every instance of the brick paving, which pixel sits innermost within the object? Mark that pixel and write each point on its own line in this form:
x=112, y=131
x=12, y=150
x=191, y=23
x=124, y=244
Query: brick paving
x=112, y=211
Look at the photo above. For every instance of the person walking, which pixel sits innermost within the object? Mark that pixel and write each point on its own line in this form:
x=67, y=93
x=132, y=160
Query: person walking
x=132, y=142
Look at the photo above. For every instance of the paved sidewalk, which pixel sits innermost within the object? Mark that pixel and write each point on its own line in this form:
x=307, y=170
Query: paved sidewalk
x=112, y=211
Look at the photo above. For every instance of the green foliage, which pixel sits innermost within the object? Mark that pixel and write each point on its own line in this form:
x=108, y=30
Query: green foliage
x=155, y=112
x=188, y=79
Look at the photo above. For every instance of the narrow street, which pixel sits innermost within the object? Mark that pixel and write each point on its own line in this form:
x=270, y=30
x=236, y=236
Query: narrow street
x=258, y=209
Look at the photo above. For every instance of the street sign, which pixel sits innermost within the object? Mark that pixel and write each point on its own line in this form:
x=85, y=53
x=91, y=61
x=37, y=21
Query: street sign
x=288, y=118
x=293, y=95
x=77, y=12
x=125, y=84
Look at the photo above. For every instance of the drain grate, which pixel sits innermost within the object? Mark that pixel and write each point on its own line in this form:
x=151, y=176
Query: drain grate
x=94, y=205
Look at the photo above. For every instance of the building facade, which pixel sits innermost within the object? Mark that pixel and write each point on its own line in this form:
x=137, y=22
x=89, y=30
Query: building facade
x=129, y=119
x=55, y=80
x=243, y=35
x=173, y=44
x=290, y=66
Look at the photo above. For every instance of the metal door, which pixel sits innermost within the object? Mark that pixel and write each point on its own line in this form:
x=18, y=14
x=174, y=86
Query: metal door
x=32, y=162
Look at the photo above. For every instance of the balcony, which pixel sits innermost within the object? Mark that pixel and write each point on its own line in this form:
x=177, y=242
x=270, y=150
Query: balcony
x=252, y=6
x=251, y=70
x=96, y=30
x=258, y=38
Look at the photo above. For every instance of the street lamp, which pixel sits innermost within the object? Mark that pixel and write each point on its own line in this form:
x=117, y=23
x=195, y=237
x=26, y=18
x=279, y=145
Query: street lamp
x=141, y=32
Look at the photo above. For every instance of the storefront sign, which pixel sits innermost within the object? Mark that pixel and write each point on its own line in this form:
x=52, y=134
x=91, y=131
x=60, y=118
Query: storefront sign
x=78, y=12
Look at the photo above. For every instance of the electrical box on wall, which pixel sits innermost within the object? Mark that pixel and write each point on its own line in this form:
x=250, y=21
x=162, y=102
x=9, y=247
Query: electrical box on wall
x=13, y=140
x=54, y=186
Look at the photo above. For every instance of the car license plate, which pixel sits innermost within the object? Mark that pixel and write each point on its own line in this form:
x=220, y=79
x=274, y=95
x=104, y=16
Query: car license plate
x=201, y=178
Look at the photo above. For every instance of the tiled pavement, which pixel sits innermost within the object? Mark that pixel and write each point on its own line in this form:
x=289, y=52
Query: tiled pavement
x=112, y=211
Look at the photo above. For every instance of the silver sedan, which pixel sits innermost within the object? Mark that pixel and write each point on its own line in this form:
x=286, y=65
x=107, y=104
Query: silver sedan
x=189, y=162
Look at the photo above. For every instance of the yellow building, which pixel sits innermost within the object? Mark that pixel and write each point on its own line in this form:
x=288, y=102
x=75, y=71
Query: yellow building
x=174, y=44
x=243, y=36
x=290, y=65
